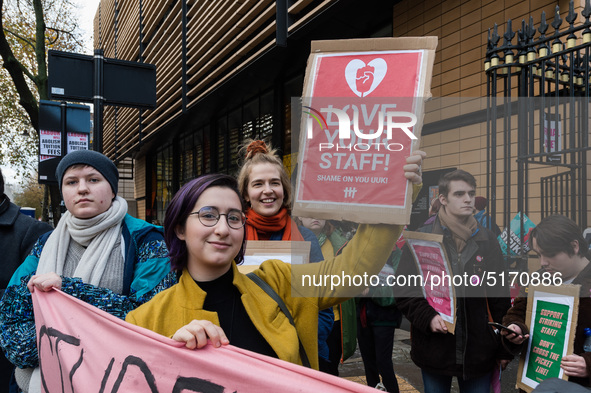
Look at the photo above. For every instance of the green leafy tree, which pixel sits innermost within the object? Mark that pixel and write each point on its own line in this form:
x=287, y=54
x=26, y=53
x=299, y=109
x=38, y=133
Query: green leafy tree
x=31, y=195
x=28, y=29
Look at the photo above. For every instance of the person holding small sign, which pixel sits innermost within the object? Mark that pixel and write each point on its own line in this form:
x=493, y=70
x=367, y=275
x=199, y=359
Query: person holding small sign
x=342, y=340
x=473, y=351
x=564, y=253
x=266, y=188
x=271, y=311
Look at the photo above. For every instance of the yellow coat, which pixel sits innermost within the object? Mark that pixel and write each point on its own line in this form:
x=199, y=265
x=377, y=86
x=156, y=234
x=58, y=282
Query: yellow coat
x=179, y=305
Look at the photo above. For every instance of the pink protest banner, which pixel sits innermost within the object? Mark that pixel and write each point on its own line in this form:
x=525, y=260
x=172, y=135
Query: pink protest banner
x=82, y=349
x=361, y=116
x=431, y=259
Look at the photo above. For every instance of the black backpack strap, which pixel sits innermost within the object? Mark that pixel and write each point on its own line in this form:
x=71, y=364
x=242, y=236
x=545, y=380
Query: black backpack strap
x=269, y=291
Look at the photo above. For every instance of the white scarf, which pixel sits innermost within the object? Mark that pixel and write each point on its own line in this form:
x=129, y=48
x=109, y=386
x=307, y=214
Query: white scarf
x=98, y=234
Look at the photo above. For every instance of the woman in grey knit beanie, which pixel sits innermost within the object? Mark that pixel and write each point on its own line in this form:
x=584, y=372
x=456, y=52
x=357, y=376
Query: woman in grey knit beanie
x=92, y=254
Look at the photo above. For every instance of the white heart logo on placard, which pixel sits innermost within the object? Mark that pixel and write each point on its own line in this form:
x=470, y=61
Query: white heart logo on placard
x=364, y=78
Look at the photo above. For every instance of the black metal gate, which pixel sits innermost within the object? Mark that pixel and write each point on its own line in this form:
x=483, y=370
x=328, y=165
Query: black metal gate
x=538, y=119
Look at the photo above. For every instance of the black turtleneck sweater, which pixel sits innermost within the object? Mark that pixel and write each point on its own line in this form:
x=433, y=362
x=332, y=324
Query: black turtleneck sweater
x=224, y=299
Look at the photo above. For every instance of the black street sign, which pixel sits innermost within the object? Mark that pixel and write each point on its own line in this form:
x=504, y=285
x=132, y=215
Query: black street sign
x=125, y=83
x=101, y=81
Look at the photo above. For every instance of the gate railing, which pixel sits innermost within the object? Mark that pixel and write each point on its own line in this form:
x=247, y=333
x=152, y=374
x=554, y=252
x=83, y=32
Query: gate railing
x=538, y=118
x=555, y=194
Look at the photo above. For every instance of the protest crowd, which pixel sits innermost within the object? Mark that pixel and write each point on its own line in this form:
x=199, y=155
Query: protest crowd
x=150, y=276
x=298, y=196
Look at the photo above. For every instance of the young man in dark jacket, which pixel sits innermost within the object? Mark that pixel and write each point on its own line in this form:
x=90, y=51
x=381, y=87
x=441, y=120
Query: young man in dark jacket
x=473, y=351
x=18, y=234
x=563, y=252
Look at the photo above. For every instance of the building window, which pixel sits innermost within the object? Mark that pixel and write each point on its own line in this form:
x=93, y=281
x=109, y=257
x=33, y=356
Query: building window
x=192, y=153
x=253, y=120
x=164, y=190
x=291, y=89
x=222, y=144
x=187, y=158
x=234, y=139
x=264, y=121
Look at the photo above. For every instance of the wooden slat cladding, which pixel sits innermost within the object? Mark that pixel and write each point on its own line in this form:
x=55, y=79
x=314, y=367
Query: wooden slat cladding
x=300, y=5
x=308, y=15
x=222, y=37
x=154, y=12
x=462, y=28
x=139, y=174
x=208, y=68
x=107, y=30
x=127, y=118
x=95, y=28
x=128, y=25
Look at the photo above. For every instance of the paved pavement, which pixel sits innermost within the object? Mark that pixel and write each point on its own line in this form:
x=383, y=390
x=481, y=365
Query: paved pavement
x=409, y=375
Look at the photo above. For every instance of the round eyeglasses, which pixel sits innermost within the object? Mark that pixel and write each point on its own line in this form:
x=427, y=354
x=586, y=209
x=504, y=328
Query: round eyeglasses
x=209, y=216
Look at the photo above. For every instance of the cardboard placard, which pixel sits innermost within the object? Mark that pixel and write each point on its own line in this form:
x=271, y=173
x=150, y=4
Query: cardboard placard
x=258, y=251
x=361, y=116
x=552, y=314
x=432, y=261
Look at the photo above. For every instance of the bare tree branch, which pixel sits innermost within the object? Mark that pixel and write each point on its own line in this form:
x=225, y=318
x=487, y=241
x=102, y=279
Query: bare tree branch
x=23, y=58
x=27, y=99
x=24, y=69
x=53, y=40
x=20, y=37
x=40, y=52
x=69, y=33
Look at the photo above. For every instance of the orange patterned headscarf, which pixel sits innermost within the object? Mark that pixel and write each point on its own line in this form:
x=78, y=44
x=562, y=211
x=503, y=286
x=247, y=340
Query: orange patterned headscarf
x=261, y=227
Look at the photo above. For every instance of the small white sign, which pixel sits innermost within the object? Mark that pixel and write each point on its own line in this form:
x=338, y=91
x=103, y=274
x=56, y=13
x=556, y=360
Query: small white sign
x=77, y=141
x=57, y=90
x=50, y=143
x=257, y=259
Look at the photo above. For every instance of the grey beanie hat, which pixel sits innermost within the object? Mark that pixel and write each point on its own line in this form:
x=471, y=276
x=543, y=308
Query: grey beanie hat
x=92, y=158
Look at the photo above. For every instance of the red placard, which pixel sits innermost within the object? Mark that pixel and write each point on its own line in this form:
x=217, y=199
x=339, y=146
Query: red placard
x=432, y=265
x=361, y=117
x=429, y=254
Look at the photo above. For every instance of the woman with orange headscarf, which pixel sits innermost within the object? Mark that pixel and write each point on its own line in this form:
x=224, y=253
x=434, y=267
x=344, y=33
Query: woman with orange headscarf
x=266, y=188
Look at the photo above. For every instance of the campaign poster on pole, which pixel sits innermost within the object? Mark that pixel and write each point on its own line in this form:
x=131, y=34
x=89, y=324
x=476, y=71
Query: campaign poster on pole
x=433, y=265
x=50, y=143
x=552, y=314
x=77, y=141
x=359, y=117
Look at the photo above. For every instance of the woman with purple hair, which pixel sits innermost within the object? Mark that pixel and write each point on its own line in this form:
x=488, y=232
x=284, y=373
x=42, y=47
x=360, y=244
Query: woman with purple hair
x=205, y=234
